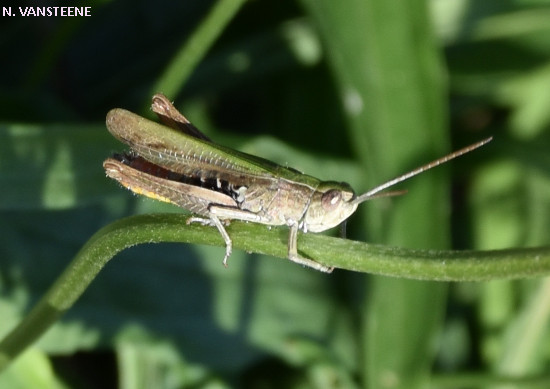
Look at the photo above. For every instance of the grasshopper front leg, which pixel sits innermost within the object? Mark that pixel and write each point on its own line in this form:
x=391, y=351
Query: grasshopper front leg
x=295, y=257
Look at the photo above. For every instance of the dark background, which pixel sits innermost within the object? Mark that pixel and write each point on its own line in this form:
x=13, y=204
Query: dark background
x=271, y=84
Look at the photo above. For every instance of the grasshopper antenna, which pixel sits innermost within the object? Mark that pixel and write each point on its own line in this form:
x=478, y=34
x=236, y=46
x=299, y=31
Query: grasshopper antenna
x=373, y=192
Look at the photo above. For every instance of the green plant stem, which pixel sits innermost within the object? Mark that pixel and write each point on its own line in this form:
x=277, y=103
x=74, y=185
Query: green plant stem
x=346, y=254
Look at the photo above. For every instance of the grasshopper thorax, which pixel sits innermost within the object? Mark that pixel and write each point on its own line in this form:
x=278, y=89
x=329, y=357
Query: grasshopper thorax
x=330, y=205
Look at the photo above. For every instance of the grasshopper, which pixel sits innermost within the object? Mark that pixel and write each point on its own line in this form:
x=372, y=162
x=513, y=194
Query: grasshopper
x=176, y=163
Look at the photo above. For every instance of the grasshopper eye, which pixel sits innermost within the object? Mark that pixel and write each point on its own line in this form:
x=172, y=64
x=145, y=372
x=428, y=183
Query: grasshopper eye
x=331, y=198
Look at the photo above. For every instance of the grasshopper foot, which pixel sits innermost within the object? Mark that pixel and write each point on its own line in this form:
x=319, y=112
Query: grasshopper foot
x=228, y=249
x=310, y=263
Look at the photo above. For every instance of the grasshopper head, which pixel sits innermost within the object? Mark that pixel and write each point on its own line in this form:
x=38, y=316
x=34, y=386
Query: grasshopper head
x=334, y=202
x=331, y=204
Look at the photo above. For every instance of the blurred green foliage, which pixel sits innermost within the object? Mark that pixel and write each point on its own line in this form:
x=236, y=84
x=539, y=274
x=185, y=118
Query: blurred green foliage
x=358, y=92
